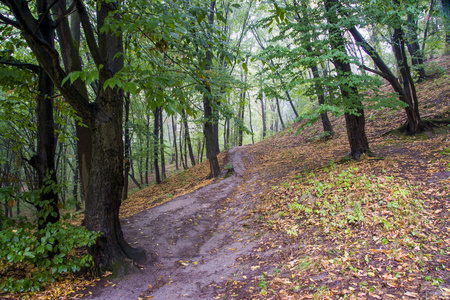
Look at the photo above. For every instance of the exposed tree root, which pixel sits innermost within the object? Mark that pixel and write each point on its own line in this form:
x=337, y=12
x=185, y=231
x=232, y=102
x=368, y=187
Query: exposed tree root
x=424, y=126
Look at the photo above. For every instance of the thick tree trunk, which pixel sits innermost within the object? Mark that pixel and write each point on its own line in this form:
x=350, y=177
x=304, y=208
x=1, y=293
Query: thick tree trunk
x=211, y=126
x=355, y=121
x=106, y=175
x=44, y=160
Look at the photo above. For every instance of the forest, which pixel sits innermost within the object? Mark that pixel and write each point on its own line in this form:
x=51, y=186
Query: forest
x=105, y=103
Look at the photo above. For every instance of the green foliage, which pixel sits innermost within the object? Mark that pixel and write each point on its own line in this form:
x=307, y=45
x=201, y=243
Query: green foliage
x=41, y=255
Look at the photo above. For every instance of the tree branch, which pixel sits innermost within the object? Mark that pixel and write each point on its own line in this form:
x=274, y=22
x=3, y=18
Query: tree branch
x=89, y=33
x=8, y=21
x=33, y=68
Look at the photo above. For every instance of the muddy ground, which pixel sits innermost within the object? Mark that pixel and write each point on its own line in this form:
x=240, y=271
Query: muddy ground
x=193, y=241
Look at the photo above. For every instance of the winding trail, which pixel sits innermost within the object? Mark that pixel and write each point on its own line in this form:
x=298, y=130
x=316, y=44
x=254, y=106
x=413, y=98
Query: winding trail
x=196, y=239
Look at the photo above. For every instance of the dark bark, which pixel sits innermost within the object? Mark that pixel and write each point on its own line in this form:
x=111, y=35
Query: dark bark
x=46, y=144
x=174, y=129
x=446, y=14
x=147, y=151
x=355, y=121
x=188, y=138
x=156, y=114
x=279, y=112
x=405, y=95
x=320, y=92
x=127, y=147
x=184, y=164
x=251, y=126
x=161, y=146
x=211, y=130
x=409, y=89
x=263, y=116
x=414, y=49
x=104, y=118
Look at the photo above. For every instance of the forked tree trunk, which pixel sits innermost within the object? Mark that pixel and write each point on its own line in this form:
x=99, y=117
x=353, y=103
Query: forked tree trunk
x=405, y=93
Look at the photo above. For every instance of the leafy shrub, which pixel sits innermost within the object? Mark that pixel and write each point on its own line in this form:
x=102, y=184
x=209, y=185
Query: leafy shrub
x=30, y=258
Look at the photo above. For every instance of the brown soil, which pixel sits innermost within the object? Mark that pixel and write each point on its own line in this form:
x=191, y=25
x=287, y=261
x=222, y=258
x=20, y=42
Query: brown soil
x=227, y=239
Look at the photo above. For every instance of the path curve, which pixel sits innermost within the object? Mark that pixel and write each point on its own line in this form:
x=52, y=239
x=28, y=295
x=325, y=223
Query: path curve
x=196, y=239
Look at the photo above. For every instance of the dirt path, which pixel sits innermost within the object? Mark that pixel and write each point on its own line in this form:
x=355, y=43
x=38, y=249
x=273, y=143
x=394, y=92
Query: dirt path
x=195, y=238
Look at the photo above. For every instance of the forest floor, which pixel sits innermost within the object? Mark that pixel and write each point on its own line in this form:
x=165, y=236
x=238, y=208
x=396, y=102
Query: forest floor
x=294, y=220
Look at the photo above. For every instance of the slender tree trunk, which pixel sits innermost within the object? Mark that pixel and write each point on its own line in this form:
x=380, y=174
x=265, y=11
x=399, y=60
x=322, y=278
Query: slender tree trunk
x=182, y=158
x=408, y=83
x=414, y=49
x=203, y=149
x=263, y=115
x=446, y=14
x=161, y=146
x=427, y=25
x=174, y=129
x=127, y=146
x=251, y=126
x=156, y=114
x=320, y=92
x=188, y=138
x=279, y=112
x=147, y=150
x=405, y=95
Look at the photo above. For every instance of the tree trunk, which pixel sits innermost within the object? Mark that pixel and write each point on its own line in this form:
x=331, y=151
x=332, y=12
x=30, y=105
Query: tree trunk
x=414, y=49
x=174, y=129
x=279, y=112
x=446, y=14
x=161, y=146
x=183, y=163
x=156, y=114
x=263, y=115
x=127, y=146
x=412, y=111
x=251, y=126
x=147, y=150
x=355, y=121
x=44, y=160
x=188, y=138
x=327, y=127
x=211, y=131
x=408, y=84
